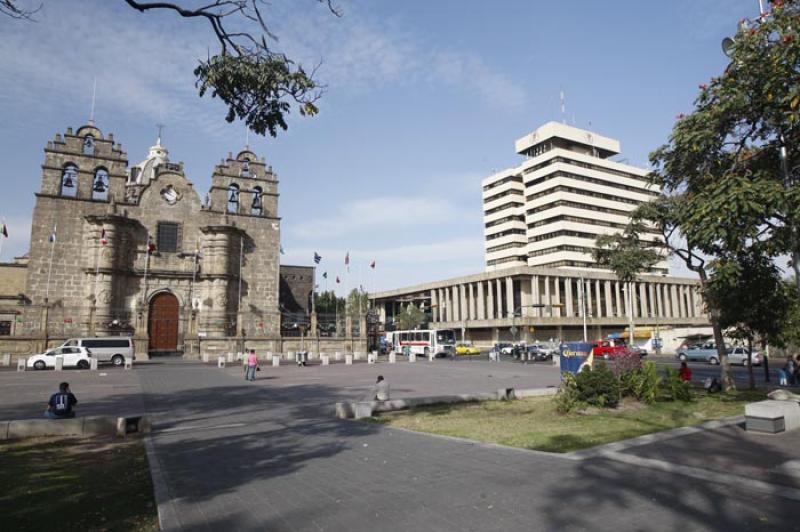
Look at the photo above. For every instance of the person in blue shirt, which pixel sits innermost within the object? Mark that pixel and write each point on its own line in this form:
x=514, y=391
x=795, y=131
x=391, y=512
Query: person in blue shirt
x=60, y=404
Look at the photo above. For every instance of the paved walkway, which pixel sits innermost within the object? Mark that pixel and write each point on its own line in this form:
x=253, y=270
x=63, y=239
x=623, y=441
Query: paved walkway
x=269, y=456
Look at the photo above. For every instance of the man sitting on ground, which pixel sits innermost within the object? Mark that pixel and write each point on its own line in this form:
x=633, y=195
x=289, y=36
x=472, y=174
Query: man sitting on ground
x=61, y=403
x=381, y=389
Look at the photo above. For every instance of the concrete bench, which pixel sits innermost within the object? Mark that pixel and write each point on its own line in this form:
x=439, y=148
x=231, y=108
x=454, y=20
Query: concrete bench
x=772, y=416
x=77, y=426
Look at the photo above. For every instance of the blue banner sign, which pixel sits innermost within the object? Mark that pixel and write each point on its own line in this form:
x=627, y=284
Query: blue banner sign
x=574, y=355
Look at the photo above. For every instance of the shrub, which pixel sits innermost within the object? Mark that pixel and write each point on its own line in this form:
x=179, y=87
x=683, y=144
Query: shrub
x=598, y=386
x=566, y=400
x=626, y=362
x=675, y=389
x=641, y=383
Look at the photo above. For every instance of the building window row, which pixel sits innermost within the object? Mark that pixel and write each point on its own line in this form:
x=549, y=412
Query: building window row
x=582, y=192
x=555, y=234
x=507, y=232
x=502, y=195
x=556, y=249
x=592, y=180
x=509, y=179
x=577, y=205
x=505, y=260
x=513, y=218
x=590, y=166
x=504, y=206
x=503, y=247
x=587, y=221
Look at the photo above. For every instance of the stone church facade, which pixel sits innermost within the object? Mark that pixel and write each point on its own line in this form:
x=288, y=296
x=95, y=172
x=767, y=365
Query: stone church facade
x=136, y=251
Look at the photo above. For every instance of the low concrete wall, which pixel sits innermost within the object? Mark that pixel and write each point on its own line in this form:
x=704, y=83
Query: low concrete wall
x=77, y=426
x=362, y=409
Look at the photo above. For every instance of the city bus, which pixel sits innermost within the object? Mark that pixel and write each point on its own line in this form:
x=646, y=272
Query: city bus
x=424, y=342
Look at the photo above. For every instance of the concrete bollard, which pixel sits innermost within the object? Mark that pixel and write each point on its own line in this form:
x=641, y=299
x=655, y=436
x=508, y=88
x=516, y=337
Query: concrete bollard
x=356, y=355
x=93, y=364
x=59, y=362
x=230, y=357
x=431, y=356
x=221, y=362
x=6, y=359
x=412, y=357
x=371, y=358
x=128, y=362
x=348, y=360
x=22, y=363
x=269, y=355
x=290, y=356
x=276, y=361
x=337, y=356
x=325, y=360
x=557, y=360
x=205, y=357
x=392, y=357
x=311, y=355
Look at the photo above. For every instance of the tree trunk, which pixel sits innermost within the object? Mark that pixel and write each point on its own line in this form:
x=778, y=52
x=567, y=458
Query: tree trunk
x=750, y=363
x=796, y=268
x=725, y=374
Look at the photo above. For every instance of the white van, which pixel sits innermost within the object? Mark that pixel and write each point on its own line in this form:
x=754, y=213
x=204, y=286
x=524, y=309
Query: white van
x=112, y=349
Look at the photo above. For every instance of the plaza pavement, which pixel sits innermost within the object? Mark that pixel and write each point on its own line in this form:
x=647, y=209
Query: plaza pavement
x=269, y=455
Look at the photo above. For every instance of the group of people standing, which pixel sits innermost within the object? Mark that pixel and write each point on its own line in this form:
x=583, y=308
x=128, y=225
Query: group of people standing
x=790, y=374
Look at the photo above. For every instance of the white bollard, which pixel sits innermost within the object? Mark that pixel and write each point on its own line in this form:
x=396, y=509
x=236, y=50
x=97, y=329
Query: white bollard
x=6, y=359
x=392, y=358
x=276, y=361
x=412, y=357
x=311, y=355
x=290, y=356
x=205, y=358
x=21, y=363
x=269, y=355
x=59, y=362
x=128, y=362
x=93, y=364
x=325, y=360
x=348, y=360
x=337, y=356
x=221, y=362
x=230, y=357
x=371, y=358
x=431, y=356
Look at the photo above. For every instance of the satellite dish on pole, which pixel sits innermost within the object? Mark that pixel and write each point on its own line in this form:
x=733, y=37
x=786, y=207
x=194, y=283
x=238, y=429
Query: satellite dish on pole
x=727, y=46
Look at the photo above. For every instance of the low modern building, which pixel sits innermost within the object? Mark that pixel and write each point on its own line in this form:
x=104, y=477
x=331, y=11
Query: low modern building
x=549, y=210
x=525, y=304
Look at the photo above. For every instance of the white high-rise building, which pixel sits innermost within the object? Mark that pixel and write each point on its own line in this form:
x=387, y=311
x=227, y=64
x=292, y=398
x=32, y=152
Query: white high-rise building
x=549, y=210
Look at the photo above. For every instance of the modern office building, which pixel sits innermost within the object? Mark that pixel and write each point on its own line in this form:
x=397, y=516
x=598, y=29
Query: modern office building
x=549, y=210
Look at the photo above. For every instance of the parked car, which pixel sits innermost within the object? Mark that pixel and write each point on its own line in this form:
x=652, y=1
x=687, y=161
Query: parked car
x=738, y=355
x=608, y=348
x=540, y=352
x=505, y=348
x=706, y=353
x=465, y=349
x=112, y=349
x=74, y=357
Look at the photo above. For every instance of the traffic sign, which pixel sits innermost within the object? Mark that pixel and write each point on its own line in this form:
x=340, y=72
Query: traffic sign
x=514, y=329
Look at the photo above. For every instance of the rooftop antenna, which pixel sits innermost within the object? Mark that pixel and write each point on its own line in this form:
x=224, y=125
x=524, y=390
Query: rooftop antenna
x=563, y=108
x=94, y=92
x=160, y=128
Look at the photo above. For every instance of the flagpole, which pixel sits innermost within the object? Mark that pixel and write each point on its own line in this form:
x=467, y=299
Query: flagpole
x=50, y=265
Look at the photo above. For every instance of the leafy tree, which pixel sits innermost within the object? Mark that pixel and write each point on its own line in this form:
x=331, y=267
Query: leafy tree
x=326, y=302
x=357, y=302
x=411, y=317
x=735, y=157
x=258, y=84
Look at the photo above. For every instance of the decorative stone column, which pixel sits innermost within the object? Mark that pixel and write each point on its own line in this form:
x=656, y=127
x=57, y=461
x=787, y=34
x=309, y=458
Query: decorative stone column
x=220, y=269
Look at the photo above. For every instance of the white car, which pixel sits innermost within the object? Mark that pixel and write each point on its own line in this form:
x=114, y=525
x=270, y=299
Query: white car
x=74, y=357
x=738, y=355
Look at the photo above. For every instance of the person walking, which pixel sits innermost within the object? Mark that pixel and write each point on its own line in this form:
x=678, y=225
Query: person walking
x=789, y=368
x=60, y=404
x=252, y=366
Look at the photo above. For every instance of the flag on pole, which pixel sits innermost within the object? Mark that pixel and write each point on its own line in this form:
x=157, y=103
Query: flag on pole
x=53, y=234
x=317, y=258
x=151, y=246
x=282, y=252
x=4, y=232
x=325, y=275
x=103, y=239
x=337, y=279
x=372, y=264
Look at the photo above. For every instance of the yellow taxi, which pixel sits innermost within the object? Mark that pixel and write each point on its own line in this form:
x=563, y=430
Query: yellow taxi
x=464, y=349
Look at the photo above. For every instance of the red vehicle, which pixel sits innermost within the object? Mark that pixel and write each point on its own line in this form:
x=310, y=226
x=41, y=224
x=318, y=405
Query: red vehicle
x=609, y=348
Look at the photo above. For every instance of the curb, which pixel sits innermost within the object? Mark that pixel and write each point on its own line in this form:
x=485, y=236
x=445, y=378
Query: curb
x=167, y=515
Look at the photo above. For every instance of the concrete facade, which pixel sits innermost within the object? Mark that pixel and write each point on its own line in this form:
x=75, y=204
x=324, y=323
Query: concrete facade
x=549, y=210
x=544, y=303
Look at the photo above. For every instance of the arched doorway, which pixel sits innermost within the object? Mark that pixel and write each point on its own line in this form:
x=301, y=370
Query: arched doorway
x=162, y=327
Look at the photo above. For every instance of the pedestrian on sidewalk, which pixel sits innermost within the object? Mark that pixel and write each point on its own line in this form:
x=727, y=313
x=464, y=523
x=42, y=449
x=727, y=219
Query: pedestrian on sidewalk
x=789, y=368
x=685, y=373
x=381, y=389
x=252, y=366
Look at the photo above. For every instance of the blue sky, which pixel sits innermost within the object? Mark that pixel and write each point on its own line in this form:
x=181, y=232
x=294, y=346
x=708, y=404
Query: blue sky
x=424, y=99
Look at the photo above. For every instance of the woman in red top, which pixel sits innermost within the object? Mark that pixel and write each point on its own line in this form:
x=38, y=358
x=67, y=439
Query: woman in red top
x=685, y=373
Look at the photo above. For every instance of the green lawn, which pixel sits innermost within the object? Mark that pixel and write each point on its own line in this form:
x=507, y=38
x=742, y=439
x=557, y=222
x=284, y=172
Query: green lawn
x=69, y=484
x=534, y=424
